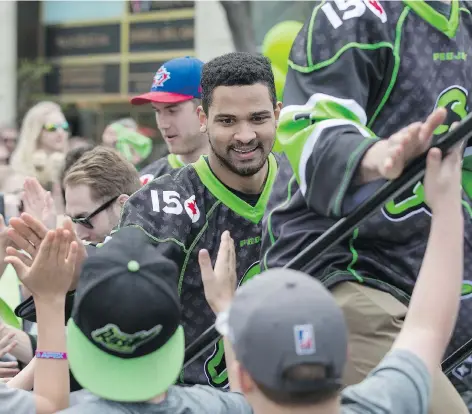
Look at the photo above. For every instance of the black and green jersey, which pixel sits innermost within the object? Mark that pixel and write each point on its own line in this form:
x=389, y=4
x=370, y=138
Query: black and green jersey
x=360, y=71
x=160, y=167
x=185, y=211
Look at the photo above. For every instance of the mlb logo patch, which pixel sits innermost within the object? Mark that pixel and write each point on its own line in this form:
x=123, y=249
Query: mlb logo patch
x=304, y=339
x=161, y=76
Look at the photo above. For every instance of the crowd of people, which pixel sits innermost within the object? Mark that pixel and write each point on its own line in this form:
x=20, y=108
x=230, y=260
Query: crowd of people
x=110, y=269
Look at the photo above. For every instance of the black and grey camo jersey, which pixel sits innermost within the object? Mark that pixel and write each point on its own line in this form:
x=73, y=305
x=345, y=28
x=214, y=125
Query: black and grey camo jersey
x=188, y=210
x=160, y=167
x=360, y=71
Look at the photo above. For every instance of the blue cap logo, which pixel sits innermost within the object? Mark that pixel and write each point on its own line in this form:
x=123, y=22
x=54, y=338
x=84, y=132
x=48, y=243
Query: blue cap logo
x=161, y=76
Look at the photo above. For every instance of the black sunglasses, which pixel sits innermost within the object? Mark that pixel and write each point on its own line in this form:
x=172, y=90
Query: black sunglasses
x=85, y=221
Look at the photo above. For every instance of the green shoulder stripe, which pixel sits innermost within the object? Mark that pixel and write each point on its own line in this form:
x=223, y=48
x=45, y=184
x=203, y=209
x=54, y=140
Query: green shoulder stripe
x=301, y=125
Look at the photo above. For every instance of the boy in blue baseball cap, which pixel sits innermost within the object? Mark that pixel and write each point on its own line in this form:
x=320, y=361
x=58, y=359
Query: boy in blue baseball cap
x=175, y=95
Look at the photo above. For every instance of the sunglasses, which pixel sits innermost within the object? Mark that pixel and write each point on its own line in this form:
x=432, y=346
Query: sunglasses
x=54, y=127
x=85, y=221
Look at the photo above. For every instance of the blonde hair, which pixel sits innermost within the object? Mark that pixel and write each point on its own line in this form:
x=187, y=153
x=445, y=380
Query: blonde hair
x=27, y=159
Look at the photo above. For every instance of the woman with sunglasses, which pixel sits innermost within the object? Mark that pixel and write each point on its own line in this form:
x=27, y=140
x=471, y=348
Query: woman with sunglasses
x=42, y=143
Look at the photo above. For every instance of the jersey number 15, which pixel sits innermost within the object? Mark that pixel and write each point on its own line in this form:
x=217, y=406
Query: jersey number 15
x=171, y=200
x=349, y=9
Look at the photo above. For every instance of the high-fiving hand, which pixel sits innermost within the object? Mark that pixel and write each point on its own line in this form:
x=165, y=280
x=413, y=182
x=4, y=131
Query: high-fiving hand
x=219, y=282
x=52, y=272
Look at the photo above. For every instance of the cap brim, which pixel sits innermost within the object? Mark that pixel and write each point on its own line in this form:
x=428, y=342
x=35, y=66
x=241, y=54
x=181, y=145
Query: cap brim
x=160, y=97
x=119, y=379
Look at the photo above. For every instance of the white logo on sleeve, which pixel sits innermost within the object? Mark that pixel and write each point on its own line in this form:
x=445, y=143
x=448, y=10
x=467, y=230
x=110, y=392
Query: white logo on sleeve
x=192, y=209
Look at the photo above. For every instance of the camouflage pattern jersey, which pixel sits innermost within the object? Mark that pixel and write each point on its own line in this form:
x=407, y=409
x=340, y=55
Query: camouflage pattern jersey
x=160, y=167
x=187, y=210
x=360, y=71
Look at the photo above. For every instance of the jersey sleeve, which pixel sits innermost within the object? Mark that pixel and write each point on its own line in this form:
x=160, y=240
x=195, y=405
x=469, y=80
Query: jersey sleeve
x=399, y=384
x=166, y=210
x=339, y=68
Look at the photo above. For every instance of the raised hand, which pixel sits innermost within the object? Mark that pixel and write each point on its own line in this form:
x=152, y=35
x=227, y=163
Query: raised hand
x=52, y=271
x=7, y=342
x=39, y=203
x=219, y=282
x=388, y=157
x=442, y=180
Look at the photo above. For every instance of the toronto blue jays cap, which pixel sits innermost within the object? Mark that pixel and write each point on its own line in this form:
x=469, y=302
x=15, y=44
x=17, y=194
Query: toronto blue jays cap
x=177, y=80
x=283, y=320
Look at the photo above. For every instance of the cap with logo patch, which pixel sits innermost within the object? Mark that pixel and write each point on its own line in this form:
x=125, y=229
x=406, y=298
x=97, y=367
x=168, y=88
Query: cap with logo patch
x=124, y=339
x=177, y=80
x=283, y=319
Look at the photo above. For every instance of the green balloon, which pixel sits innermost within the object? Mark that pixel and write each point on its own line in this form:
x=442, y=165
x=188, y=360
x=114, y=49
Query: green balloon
x=278, y=43
x=279, y=79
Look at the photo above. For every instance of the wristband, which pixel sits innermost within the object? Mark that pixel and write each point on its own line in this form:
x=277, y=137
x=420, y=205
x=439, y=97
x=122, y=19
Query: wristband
x=50, y=355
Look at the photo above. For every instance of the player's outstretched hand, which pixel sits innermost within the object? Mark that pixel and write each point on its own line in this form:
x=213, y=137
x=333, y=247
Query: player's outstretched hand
x=442, y=180
x=51, y=274
x=409, y=143
x=7, y=342
x=219, y=282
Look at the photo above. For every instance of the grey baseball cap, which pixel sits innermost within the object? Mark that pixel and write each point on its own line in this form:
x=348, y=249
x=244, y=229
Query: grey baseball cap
x=282, y=319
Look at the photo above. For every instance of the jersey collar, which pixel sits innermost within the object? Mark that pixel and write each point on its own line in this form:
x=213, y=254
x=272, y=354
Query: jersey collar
x=174, y=161
x=436, y=19
x=228, y=198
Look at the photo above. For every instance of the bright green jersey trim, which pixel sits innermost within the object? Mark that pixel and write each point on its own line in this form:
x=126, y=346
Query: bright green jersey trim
x=436, y=19
x=293, y=135
x=330, y=61
x=396, y=66
x=232, y=201
x=174, y=161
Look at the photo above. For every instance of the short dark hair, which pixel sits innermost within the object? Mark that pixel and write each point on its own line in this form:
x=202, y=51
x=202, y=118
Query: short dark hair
x=236, y=69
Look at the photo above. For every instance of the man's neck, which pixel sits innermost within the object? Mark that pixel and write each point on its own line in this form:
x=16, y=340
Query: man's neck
x=328, y=407
x=193, y=156
x=248, y=185
x=158, y=399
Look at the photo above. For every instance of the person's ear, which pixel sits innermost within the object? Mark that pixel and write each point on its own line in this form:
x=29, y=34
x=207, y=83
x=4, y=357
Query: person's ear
x=277, y=110
x=203, y=119
x=246, y=383
x=122, y=199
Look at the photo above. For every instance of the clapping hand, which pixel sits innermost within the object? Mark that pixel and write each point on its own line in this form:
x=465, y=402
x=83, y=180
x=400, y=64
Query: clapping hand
x=7, y=342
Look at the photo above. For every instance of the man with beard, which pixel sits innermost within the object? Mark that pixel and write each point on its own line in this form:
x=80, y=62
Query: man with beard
x=188, y=209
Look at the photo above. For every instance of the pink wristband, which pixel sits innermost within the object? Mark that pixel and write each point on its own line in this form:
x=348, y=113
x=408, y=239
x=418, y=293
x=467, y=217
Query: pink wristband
x=50, y=355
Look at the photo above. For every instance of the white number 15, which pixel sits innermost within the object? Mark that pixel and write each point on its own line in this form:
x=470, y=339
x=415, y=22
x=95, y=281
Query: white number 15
x=350, y=9
x=171, y=200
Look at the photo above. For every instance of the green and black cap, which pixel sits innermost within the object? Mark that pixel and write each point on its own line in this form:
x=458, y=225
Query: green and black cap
x=125, y=341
